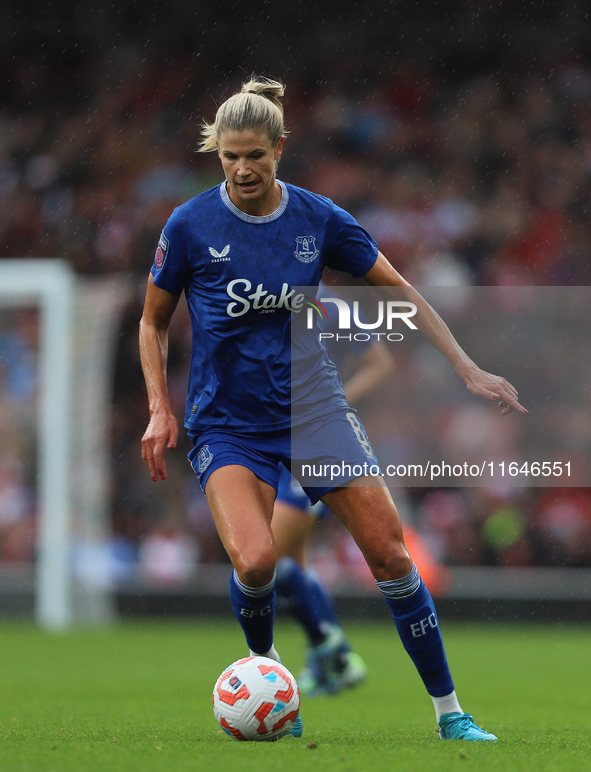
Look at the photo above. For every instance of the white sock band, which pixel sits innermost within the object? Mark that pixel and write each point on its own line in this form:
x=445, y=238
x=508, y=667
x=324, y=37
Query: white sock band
x=447, y=704
x=271, y=654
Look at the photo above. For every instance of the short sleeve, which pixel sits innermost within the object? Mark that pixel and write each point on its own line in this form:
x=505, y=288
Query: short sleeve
x=170, y=268
x=352, y=248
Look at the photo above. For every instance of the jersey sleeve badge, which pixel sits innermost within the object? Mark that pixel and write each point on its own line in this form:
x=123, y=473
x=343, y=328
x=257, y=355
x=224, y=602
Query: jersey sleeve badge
x=161, y=252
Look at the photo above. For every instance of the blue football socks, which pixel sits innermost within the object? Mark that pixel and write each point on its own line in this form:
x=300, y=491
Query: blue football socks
x=308, y=600
x=254, y=608
x=414, y=613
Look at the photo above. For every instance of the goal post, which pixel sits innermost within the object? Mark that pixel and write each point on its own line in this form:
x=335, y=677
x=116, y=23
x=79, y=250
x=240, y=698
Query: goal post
x=78, y=324
x=50, y=286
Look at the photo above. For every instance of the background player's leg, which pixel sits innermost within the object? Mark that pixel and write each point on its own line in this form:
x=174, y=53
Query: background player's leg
x=307, y=602
x=330, y=663
x=242, y=506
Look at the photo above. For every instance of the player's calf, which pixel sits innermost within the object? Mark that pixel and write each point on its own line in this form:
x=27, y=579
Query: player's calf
x=418, y=626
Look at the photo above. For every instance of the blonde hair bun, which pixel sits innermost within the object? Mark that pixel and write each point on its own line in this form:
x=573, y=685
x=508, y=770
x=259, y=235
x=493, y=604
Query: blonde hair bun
x=245, y=112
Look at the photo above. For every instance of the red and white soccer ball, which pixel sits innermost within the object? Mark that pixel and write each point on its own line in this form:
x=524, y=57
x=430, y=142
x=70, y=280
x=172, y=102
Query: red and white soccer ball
x=256, y=698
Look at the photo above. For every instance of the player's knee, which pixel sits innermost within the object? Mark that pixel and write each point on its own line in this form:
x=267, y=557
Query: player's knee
x=393, y=562
x=256, y=570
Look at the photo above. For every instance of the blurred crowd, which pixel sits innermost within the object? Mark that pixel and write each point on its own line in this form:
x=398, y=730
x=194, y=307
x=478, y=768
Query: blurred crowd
x=468, y=159
x=485, y=181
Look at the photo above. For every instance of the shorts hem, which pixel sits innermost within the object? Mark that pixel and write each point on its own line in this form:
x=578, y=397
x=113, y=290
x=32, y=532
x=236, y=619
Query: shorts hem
x=204, y=476
x=316, y=493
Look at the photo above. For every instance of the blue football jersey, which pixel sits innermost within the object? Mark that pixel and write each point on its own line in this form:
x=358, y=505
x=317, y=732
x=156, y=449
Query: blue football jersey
x=239, y=273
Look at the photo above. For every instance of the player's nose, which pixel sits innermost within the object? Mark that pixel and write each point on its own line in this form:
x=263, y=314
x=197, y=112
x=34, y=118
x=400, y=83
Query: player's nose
x=243, y=168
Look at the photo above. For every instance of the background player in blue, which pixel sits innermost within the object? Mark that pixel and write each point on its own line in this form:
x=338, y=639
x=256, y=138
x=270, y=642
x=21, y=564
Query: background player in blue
x=237, y=251
x=331, y=664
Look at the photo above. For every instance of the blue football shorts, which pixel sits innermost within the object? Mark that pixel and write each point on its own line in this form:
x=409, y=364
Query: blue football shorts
x=322, y=455
x=290, y=492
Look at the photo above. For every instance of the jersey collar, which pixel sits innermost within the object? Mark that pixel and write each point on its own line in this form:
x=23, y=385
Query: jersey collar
x=251, y=218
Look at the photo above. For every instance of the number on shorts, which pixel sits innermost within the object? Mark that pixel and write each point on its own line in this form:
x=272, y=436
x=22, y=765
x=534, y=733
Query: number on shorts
x=360, y=434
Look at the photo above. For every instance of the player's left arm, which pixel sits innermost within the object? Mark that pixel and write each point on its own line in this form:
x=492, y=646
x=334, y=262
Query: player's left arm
x=392, y=286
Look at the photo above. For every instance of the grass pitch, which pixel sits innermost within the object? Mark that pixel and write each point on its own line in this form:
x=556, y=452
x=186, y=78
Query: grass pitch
x=138, y=697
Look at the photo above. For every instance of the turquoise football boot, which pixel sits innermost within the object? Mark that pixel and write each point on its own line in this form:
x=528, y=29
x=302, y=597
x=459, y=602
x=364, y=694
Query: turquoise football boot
x=455, y=726
x=297, y=729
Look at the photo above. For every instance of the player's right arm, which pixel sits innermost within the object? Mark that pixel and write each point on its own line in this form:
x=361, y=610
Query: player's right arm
x=162, y=431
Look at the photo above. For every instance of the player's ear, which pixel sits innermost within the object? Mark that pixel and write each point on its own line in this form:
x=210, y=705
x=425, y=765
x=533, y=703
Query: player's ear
x=278, y=149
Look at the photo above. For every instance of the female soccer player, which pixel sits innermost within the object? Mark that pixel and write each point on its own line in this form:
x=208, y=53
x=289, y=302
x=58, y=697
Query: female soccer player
x=237, y=251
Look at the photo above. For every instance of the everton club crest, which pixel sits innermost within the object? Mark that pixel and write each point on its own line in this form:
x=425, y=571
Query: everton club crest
x=205, y=457
x=306, y=250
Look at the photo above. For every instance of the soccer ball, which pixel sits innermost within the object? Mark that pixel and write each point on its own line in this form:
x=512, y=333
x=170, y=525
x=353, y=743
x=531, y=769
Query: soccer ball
x=256, y=698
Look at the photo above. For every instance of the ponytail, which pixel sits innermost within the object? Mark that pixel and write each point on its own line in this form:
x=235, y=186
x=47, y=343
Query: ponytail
x=256, y=107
